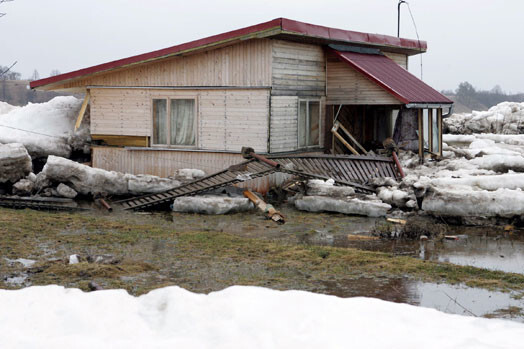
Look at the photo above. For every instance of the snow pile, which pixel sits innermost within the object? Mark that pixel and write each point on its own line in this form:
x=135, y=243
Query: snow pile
x=190, y=173
x=469, y=203
x=211, y=204
x=6, y=107
x=237, y=317
x=15, y=162
x=504, y=118
x=88, y=180
x=366, y=207
x=45, y=128
x=478, y=178
x=318, y=187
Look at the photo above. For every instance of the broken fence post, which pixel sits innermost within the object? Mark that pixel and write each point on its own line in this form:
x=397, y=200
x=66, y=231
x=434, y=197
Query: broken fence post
x=248, y=153
x=105, y=204
x=399, y=167
x=268, y=209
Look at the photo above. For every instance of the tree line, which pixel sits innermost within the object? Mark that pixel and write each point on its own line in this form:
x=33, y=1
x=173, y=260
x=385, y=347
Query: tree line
x=476, y=98
x=7, y=73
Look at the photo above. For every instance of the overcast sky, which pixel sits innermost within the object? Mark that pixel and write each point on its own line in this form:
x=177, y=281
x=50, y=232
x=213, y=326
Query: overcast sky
x=480, y=41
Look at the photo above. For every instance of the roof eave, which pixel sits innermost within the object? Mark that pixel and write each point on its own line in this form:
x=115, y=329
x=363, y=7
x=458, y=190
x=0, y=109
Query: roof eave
x=269, y=29
x=273, y=28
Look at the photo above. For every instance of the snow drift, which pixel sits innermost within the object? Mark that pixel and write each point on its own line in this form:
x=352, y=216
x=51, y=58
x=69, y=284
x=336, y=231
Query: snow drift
x=237, y=317
x=45, y=128
x=6, y=108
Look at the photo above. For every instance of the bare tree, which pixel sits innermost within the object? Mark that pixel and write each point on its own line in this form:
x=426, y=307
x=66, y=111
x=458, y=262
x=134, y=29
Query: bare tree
x=35, y=75
x=7, y=74
x=5, y=70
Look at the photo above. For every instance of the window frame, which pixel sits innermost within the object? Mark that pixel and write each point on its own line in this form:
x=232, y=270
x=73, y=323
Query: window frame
x=168, y=100
x=308, y=101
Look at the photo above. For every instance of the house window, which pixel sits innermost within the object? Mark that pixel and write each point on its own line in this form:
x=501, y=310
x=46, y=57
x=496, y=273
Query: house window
x=177, y=129
x=308, y=123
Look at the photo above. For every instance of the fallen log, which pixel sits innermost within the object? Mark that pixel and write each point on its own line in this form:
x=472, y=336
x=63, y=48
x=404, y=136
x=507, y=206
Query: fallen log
x=268, y=209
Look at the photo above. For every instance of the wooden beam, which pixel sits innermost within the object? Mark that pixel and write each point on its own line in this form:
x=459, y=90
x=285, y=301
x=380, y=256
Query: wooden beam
x=82, y=110
x=430, y=130
x=439, y=121
x=420, y=136
x=122, y=141
x=342, y=140
x=352, y=138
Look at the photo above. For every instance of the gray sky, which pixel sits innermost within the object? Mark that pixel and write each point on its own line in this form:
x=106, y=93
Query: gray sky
x=479, y=41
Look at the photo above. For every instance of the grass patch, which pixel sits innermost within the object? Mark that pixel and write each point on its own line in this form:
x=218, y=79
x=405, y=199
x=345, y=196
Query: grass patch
x=153, y=255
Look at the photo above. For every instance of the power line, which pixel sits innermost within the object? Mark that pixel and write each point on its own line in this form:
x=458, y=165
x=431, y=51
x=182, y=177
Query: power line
x=418, y=38
x=38, y=133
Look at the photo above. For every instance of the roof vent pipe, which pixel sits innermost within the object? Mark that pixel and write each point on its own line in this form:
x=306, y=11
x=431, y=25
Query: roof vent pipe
x=398, y=14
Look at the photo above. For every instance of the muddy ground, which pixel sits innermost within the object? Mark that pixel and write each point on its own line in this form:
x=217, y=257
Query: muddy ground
x=480, y=274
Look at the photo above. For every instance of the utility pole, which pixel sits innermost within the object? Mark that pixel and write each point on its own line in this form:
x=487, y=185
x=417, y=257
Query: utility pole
x=398, y=13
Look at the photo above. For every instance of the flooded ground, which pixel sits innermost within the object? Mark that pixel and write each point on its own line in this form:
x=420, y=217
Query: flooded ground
x=453, y=299
x=488, y=247
x=207, y=253
x=485, y=247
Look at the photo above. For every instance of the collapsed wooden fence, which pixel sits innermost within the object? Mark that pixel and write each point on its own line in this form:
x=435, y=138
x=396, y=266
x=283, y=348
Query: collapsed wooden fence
x=351, y=170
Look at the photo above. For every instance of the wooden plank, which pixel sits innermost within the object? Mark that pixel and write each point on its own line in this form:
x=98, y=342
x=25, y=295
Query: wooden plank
x=352, y=138
x=345, y=85
x=420, y=136
x=439, y=120
x=246, y=63
x=123, y=141
x=82, y=110
x=343, y=141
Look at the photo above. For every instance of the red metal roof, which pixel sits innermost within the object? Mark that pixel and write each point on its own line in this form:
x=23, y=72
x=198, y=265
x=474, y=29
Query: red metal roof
x=280, y=26
x=405, y=86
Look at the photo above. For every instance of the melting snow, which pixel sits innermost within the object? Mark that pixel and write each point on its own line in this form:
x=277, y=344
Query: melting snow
x=237, y=317
x=44, y=128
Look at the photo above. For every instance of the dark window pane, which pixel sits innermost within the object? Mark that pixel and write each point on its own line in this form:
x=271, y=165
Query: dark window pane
x=314, y=123
x=159, y=121
x=302, y=124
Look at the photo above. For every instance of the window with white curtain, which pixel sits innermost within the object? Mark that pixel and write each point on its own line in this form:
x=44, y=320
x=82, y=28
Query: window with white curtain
x=308, y=123
x=174, y=122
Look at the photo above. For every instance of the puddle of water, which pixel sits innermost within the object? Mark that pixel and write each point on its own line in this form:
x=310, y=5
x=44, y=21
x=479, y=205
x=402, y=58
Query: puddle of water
x=504, y=253
x=463, y=300
x=453, y=299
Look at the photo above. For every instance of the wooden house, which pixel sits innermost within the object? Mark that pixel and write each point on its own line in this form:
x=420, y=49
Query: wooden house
x=279, y=87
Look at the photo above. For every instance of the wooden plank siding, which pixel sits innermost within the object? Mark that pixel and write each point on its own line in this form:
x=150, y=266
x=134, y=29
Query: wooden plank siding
x=246, y=64
x=284, y=125
x=226, y=119
x=298, y=69
x=345, y=85
x=399, y=58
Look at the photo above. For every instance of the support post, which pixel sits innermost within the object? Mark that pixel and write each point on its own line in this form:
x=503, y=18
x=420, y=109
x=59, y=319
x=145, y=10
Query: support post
x=420, y=136
x=439, y=122
x=82, y=110
x=430, y=130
